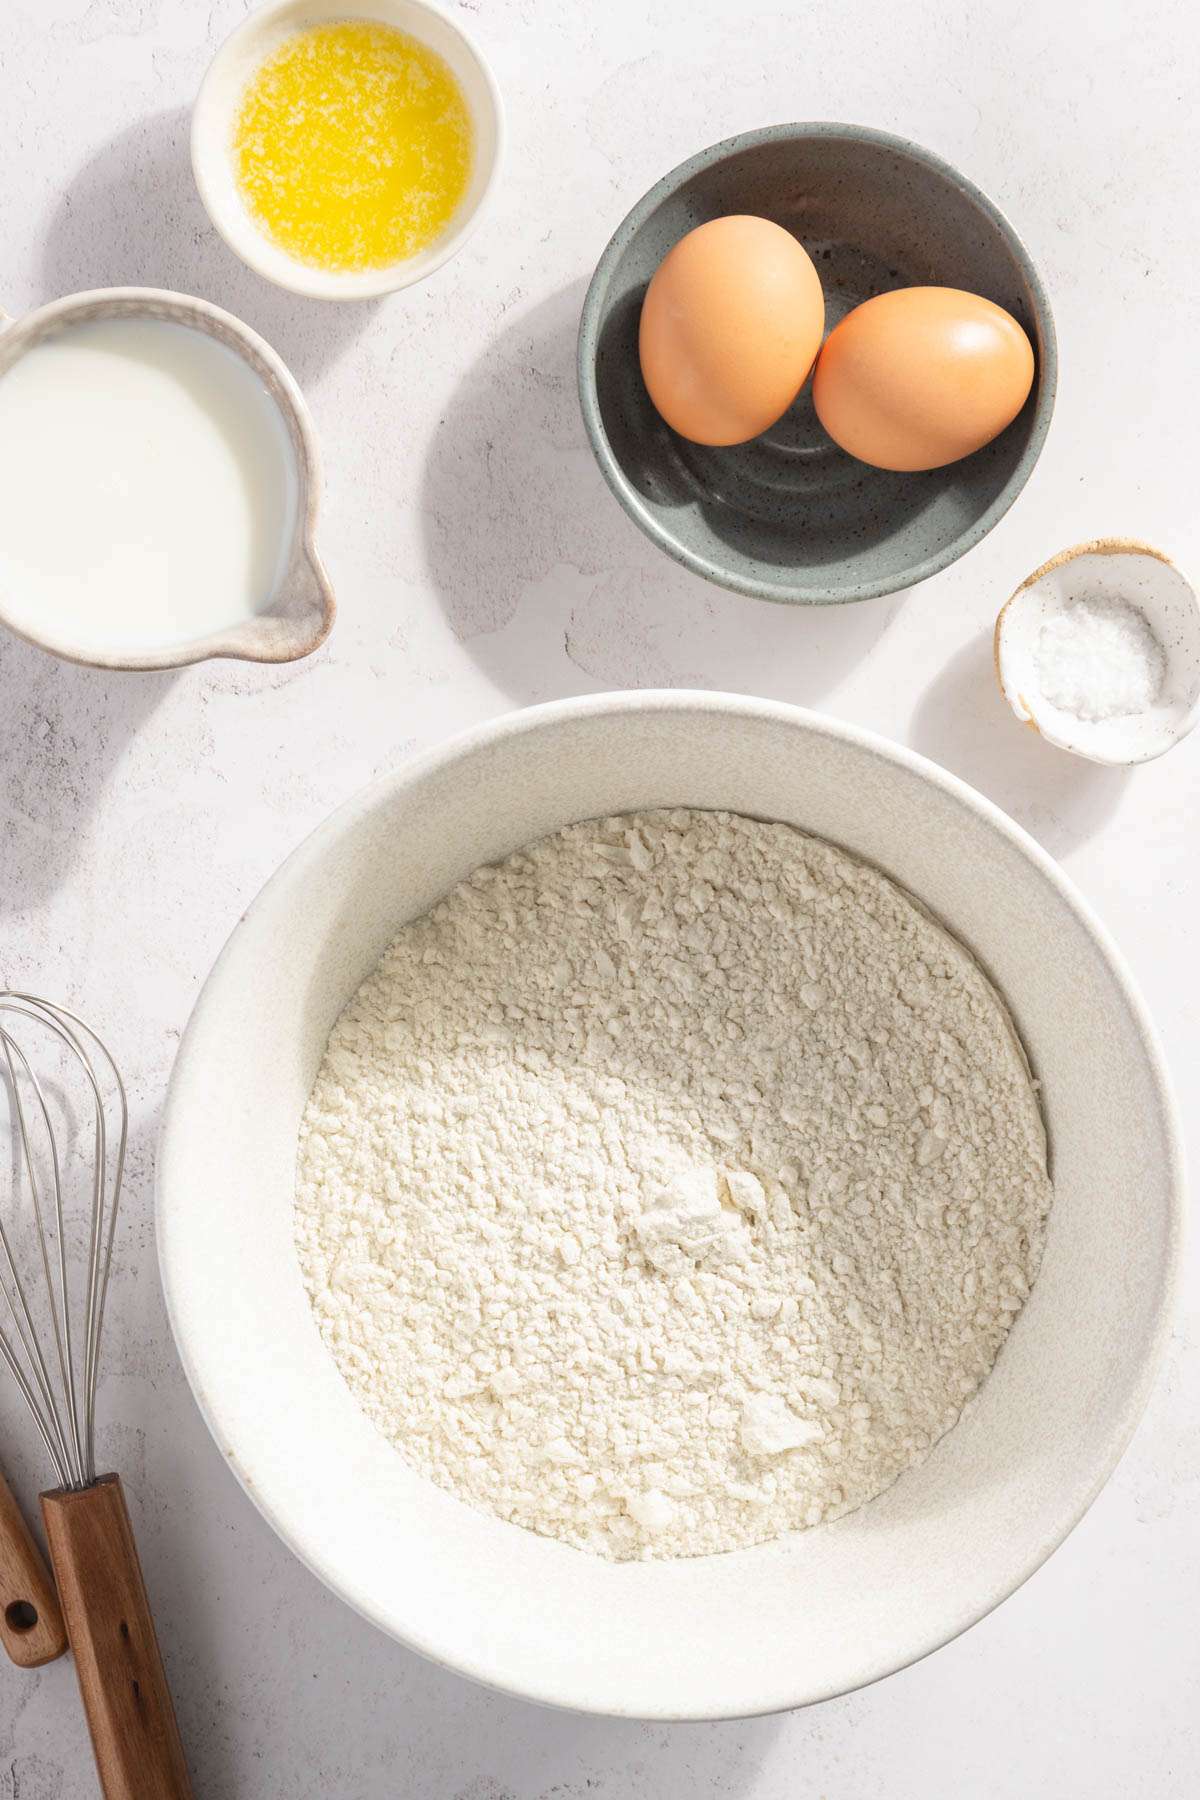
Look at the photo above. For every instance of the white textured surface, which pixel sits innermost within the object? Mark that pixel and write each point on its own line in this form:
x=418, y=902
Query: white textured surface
x=481, y=564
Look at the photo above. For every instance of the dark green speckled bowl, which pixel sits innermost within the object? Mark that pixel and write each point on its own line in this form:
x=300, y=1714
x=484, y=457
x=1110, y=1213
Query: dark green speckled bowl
x=791, y=517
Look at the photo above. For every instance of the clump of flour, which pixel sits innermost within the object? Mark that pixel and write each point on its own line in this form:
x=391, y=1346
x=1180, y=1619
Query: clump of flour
x=671, y=1185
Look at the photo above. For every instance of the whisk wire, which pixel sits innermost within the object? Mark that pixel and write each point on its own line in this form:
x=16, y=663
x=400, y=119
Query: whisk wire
x=60, y=1324
x=19, y=1307
x=100, y=1265
x=68, y=1431
x=19, y=1376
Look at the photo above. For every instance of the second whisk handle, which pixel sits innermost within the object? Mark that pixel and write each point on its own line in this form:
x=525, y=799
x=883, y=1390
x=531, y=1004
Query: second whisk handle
x=31, y=1624
x=125, y=1695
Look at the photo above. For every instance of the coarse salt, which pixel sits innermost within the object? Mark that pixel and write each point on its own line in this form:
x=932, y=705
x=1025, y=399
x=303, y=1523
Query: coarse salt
x=1098, y=658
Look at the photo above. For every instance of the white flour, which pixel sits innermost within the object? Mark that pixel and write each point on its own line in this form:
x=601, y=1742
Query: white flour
x=671, y=1185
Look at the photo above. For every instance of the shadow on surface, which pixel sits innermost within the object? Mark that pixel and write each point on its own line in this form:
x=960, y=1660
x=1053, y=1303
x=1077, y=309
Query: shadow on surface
x=259, y=1647
x=62, y=729
x=536, y=566
x=964, y=723
x=132, y=217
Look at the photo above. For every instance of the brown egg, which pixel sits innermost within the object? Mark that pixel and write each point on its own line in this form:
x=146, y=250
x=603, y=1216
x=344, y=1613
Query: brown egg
x=921, y=377
x=730, y=325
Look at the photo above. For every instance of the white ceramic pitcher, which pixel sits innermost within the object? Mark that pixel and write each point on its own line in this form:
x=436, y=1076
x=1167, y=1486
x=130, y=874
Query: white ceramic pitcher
x=300, y=613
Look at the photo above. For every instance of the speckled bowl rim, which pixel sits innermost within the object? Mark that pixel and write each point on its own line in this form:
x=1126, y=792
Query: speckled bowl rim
x=206, y=1365
x=592, y=317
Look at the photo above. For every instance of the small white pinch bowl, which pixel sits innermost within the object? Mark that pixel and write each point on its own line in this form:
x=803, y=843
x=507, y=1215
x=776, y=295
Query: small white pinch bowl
x=785, y=1623
x=1117, y=569
x=300, y=613
x=213, y=115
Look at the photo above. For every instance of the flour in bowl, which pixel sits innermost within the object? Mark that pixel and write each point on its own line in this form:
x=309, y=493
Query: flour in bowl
x=670, y=1185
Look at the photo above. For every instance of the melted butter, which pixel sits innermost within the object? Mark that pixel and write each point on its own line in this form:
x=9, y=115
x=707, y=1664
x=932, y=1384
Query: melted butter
x=352, y=145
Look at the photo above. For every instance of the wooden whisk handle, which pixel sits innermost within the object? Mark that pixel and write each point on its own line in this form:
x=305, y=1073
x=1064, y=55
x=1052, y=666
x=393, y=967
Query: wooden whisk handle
x=31, y=1625
x=125, y=1694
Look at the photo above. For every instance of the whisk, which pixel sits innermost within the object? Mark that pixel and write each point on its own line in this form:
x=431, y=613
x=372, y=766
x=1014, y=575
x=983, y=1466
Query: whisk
x=111, y=1632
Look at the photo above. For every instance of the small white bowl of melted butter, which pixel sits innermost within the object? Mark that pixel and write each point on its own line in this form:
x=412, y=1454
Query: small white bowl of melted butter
x=343, y=157
x=158, y=486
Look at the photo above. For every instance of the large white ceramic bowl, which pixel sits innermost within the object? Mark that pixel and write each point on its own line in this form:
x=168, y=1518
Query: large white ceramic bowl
x=761, y=1629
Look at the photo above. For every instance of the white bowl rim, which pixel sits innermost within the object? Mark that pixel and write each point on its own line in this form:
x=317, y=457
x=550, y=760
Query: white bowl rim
x=288, y=272
x=199, y=1360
